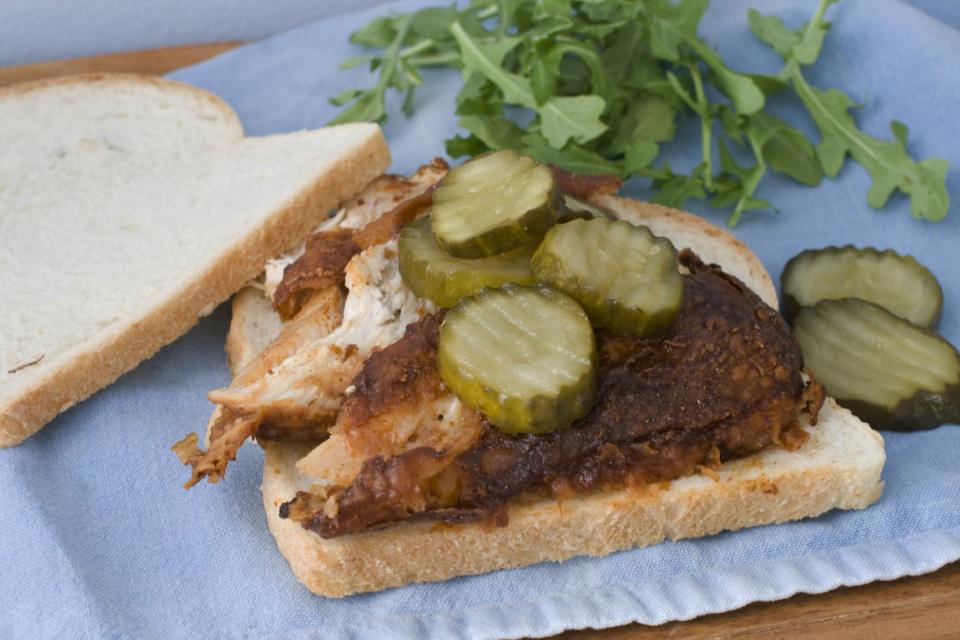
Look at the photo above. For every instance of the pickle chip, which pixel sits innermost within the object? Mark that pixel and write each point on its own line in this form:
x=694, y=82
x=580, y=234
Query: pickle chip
x=434, y=274
x=896, y=282
x=525, y=357
x=492, y=204
x=889, y=371
x=626, y=278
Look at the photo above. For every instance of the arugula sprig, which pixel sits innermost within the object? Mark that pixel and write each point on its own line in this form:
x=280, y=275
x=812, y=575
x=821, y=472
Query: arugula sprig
x=600, y=85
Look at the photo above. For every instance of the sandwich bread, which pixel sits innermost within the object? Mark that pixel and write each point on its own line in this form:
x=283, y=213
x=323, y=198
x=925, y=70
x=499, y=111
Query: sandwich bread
x=130, y=206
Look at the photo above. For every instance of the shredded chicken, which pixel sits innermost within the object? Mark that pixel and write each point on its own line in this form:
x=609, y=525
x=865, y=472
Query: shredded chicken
x=379, y=197
x=398, y=403
x=299, y=380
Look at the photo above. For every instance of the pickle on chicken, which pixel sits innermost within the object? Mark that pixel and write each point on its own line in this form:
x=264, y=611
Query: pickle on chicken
x=525, y=357
x=889, y=371
x=492, y=204
x=434, y=274
x=896, y=282
x=626, y=278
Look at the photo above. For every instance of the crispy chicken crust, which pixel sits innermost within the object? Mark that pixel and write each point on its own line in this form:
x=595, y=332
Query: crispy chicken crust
x=725, y=382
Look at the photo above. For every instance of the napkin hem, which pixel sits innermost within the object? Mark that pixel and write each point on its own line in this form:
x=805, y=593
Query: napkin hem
x=676, y=597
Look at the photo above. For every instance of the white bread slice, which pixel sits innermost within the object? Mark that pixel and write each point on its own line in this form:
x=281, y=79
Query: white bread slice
x=129, y=207
x=837, y=468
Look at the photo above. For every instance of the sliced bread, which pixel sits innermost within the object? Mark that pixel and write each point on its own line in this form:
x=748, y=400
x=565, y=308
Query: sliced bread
x=130, y=206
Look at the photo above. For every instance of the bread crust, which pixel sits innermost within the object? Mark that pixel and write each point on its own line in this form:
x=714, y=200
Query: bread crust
x=103, y=361
x=838, y=468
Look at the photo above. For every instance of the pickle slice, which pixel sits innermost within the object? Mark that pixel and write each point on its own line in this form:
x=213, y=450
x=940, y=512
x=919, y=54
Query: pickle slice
x=889, y=371
x=898, y=283
x=524, y=357
x=626, y=278
x=492, y=204
x=434, y=274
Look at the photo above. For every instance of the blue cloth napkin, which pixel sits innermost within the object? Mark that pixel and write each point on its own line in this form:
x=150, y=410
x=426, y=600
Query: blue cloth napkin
x=99, y=541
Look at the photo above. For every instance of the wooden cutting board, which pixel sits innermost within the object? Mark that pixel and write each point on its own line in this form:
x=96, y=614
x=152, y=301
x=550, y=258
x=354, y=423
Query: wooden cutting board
x=921, y=608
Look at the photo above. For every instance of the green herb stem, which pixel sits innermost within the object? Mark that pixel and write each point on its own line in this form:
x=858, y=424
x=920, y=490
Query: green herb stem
x=706, y=126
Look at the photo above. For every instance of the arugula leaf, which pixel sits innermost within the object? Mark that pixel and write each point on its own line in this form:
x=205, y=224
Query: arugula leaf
x=649, y=118
x=674, y=25
x=577, y=118
x=745, y=181
x=771, y=30
x=459, y=146
x=434, y=22
x=601, y=85
x=379, y=33
x=486, y=59
x=562, y=118
x=786, y=149
x=494, y=131
x=677, y=25
x=675, y=190
x=638, y=156
x=802, y=46
x=572, y=157
x=887, y=162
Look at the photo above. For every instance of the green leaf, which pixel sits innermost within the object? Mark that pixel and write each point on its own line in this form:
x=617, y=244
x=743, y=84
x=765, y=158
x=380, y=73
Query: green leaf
x=639, y=155
x=771, y=30
x=543, y=77
x=607, y=12
x=646, y=119
x=675, y=190
x=486, y=59
x=811, y=41
x=576, y=118
x=379, y=33
x=742, y=90
x=553, y=8
x=673, y=25
x=786, y=149
x=887, y=161
x=477, y=96
x=562, y=118
x=900, y=131
x=547, y=27
x=357, y=61
x=769, y=85
x=407, y=107
x=458, y=146
x=628, y=45
x=344, y=97
x=572, y=157
x=599, y=81
x=683, y=93
x=801, y=46
x=496, y=132
x=732, y=123
x=676, y=25
x=369, y=107
x=434, y=22
x=743, y=181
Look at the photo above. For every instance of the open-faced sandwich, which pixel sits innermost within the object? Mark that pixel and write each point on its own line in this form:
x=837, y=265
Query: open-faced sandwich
x=503, y=364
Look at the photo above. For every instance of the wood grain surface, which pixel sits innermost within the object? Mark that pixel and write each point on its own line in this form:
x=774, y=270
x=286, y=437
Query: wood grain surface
x=922, y=608
x=153, y=61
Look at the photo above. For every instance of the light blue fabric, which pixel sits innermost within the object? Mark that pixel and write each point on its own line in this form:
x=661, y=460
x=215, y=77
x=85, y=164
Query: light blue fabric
x=98, y=539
